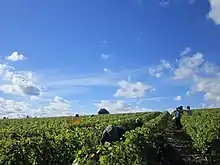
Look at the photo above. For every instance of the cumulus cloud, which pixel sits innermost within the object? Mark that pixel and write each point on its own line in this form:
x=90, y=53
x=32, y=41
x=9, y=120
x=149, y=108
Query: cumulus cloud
x=209, y=86
x=214, y=13
x=58, y=99
x=5, y=70
x=204, y=76
x=119, y=107
x=21, y=85
x=188, y=66
x=18, y=82
x=15, y=56
x=158, y=70
x=178, y=98
x=12, y=108
x=211, y=68
x=132, y=90
x=113, y=106
x=104, y=56
x=19, y=109
x=57, y=107
x=35, y=98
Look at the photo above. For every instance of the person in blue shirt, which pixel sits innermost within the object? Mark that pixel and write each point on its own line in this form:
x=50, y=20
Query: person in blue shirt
x=177, y=115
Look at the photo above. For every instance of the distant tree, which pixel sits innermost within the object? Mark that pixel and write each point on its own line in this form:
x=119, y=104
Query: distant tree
x=27, y=116
x=4, y=117
x=92, y=115
x=77, y=115
x=103, y=111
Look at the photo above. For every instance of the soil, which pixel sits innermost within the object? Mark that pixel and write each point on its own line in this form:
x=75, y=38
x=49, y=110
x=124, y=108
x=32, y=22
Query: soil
x=182, y=144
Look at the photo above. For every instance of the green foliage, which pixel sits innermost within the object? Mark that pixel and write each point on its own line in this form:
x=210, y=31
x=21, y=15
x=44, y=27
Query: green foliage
x=203, y=127
x=55, y=141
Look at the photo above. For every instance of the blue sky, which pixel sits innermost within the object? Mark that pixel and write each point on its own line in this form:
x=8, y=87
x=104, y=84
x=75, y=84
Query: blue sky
x=62, y=57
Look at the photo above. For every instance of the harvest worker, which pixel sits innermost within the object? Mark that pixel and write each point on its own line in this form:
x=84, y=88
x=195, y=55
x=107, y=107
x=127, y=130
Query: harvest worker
x=177, y=116
x=112, y=134
x=189, y=111
x=138, y=123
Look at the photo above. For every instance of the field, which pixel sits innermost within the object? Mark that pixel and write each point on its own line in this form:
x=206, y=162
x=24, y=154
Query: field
x=57, y=141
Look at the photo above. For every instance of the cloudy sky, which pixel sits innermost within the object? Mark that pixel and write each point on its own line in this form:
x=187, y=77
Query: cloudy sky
x=75, y=56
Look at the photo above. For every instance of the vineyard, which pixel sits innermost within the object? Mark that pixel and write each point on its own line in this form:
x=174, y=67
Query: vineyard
x=57, y=141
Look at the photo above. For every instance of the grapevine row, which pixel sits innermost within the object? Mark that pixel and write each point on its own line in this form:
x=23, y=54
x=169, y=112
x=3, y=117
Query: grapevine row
x=134, y=149
x=203, y=127
x=55, y=144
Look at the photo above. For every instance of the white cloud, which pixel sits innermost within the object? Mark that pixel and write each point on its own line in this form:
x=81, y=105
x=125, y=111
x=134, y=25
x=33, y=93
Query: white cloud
x=4, y=69
x=210, y=68
x=185, y=51
x=105, y=56
x=134, y=100
x=119, y=107
x=113, y=106
x=210, y=87
x=90, y=81
x=8, y=75
x=15, y=56
x=16, y=109
x=35, y=98
x=165, y=64
x=188, y=66
x=65, y=81
x=178, y=98
x=141, y=100
x=188, y=93
x=204, y=76
x=58, y=107
x=21, y=85
x=158, y=70
x=25, y=83
x=107, y=70
x=214, y=13
x=18, y=82
x=130, y=90
x=58, y=99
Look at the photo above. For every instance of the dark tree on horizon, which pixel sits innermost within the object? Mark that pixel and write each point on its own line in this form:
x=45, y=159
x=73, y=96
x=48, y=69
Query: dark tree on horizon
x=103, y=111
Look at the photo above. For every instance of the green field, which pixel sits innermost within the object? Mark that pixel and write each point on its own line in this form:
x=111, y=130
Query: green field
x=56, y=141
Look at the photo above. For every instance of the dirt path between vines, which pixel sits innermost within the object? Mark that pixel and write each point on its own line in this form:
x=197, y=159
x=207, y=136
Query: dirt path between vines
x=182, y=143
